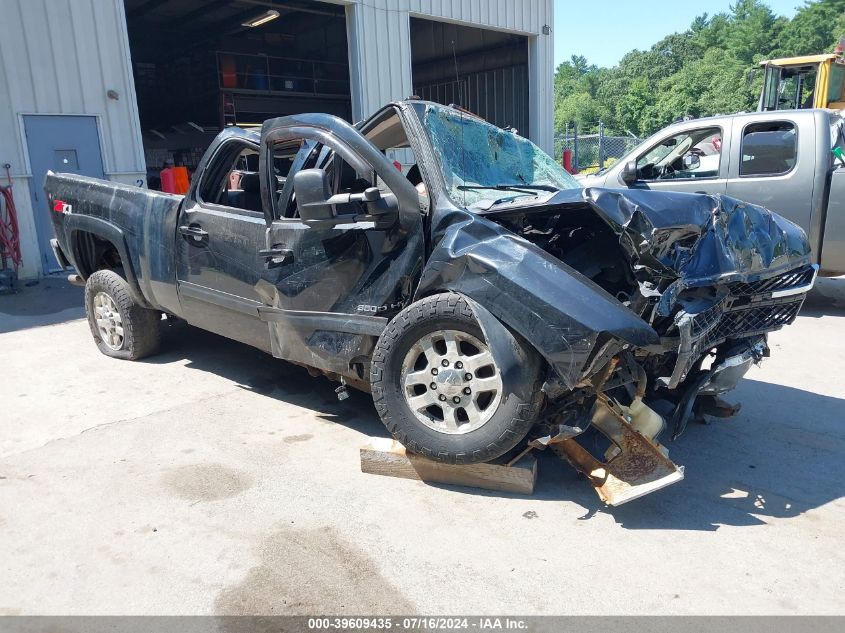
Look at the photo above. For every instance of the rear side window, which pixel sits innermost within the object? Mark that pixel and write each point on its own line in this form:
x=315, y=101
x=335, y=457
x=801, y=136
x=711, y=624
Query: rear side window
x=768, y=149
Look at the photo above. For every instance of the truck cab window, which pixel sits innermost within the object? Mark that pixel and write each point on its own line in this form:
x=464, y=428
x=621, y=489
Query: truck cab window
x=388, y=134
x=691, y=154
x=796, y=88
x=231, y=179
x=768, y=149
x=311, y=155
x=345, y=179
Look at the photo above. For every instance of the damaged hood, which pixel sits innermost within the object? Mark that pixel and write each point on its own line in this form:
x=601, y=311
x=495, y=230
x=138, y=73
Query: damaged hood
x=698, y=238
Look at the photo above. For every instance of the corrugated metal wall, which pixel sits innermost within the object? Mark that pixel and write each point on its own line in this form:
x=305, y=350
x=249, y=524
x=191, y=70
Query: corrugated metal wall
x=60, y=57
x=380, y=49
x=495, y=95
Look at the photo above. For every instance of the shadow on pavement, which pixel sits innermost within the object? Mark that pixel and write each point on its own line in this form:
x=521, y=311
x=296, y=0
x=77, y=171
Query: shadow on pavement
x=259, y=372
x=48, y=301
x=777, y=459
x=826, y=297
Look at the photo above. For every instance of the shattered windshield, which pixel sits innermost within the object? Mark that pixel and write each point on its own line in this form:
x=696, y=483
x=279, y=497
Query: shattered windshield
x=483, y=164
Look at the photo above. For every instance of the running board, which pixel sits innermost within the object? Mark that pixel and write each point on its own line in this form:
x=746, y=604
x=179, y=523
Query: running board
x=639, y=468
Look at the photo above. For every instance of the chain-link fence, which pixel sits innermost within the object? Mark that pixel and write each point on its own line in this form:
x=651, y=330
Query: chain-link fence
x=588, y=153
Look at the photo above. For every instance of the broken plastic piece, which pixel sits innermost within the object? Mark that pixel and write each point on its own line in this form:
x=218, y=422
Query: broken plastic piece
x=564, y=432
x=342, y=393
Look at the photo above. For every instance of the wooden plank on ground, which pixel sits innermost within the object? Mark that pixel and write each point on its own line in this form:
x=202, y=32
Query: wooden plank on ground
x=383, y=456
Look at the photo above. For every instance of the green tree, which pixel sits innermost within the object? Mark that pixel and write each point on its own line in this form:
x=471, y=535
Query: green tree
x=814, y=29
x=705, y=70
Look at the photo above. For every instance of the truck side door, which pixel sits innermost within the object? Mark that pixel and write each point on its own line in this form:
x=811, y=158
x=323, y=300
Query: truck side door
x=329, y=285
x=773, y=165
x=219, y=232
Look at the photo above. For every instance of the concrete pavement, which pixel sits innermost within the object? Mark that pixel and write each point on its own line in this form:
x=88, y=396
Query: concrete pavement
x=212, y=479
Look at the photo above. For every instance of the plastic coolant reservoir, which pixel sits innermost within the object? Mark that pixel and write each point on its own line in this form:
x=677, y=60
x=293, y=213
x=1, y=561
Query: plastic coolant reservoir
x=645, y=419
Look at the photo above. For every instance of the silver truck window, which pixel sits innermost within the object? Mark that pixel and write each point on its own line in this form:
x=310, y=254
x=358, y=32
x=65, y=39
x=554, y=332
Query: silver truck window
x=688, y=155
x=768, y=149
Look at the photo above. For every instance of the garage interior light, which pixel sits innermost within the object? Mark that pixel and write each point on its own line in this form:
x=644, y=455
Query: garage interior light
x=263, y=18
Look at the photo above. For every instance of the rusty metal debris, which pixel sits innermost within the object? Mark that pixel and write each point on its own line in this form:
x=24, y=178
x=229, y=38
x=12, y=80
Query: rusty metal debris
x=639, y=467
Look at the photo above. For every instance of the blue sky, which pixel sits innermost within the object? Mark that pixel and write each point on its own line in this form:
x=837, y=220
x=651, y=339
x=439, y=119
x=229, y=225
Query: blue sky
x=604, y=30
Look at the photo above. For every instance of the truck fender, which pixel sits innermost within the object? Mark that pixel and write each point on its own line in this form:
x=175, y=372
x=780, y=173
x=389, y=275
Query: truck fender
x=109, y=232
x=551, y=305
x=510, y=359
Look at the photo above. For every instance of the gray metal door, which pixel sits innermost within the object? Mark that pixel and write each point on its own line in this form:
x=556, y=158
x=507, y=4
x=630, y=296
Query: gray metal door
x=68, y=144
x=770, y=163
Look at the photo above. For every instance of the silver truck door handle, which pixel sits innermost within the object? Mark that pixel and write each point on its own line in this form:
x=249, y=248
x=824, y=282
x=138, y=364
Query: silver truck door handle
x=194, y=232
x=276, y=255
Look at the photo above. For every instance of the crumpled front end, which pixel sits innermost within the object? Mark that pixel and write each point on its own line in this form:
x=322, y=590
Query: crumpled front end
x=711, y=276
x=739, y=310
x=721, y=274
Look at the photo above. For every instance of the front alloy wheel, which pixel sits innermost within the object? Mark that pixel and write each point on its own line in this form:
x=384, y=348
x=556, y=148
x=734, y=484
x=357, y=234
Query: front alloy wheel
x=451, y=381
x=442, y=393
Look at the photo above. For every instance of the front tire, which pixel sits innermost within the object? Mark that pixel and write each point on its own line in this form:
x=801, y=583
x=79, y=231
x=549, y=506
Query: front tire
x=439, y=391
x=121, y=327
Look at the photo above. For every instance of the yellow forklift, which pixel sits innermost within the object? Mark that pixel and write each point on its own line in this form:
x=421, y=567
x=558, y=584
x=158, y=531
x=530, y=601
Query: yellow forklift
x=811, y=81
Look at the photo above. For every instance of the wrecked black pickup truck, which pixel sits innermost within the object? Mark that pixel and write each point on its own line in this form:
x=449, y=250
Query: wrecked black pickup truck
x=458, y=273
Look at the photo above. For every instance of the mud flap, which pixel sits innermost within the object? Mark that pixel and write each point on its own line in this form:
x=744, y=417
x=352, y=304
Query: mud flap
x=638, y=469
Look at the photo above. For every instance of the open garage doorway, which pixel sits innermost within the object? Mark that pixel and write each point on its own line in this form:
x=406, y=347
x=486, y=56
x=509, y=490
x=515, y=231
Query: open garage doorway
x=202, y=65
x=482, y=70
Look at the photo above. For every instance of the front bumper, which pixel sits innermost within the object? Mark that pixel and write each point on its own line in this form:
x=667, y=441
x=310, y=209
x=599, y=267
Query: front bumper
x=749, y=309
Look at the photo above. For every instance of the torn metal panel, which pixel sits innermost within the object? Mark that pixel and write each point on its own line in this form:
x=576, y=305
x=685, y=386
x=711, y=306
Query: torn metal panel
x=554, y=307
x=700, y=238
x=639, y=467
x=326, y=307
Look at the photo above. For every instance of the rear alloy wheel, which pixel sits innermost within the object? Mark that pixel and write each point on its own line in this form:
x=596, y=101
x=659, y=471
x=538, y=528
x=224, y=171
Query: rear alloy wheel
x=439, y=390
x=109, y=323
x=121, y=327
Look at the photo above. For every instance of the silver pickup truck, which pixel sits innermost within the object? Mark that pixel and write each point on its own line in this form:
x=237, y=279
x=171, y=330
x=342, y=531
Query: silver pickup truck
x=785, y=161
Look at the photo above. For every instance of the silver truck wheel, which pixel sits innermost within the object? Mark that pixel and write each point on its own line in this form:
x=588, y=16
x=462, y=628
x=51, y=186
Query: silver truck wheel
x=109, y=323
x=438, y=390
x=451, y=382
x=121, y=327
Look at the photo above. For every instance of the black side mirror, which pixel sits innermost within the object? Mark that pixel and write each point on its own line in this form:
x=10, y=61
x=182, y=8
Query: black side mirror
x=628, y=175
x=313, y=191
x=316, y=204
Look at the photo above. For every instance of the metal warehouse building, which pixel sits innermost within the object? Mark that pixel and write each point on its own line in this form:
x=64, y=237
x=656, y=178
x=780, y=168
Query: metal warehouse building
x=116, y=88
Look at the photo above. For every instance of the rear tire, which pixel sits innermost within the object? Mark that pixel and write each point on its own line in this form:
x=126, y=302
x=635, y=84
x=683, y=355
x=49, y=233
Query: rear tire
x=121, y=327
x=429, y=396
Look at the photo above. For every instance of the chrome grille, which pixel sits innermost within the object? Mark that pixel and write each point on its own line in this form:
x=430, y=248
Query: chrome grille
x=749, y=310
x=744, y=322
x=791, y=279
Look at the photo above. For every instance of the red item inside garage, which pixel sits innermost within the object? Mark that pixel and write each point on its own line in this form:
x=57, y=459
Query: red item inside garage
x=10, y=244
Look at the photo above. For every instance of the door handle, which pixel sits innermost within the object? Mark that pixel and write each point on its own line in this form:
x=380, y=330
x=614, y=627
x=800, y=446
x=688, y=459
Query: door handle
x=194, y=232
x=276, y=255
